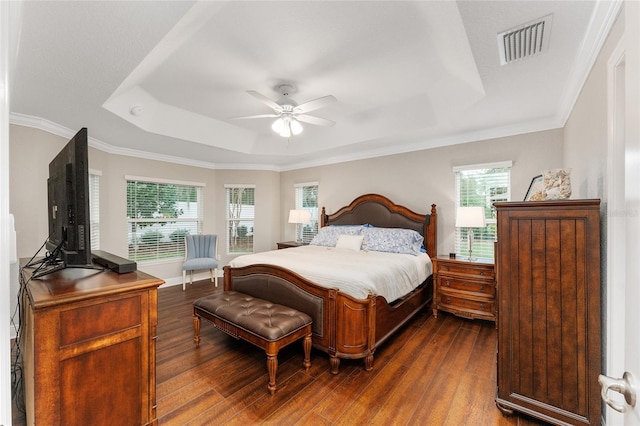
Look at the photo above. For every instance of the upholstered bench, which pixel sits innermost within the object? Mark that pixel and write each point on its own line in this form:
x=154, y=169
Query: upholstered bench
x=265, y=324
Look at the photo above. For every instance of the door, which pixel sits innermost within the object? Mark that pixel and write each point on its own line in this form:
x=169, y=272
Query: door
x=623, y=277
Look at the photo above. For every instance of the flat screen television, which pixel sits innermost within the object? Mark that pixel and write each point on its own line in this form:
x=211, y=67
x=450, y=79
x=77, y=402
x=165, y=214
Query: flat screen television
x=69, y=241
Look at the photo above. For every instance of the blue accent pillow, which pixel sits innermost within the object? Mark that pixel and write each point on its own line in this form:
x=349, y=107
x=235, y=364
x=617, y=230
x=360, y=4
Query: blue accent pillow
x=328, y=235
x=392, y=240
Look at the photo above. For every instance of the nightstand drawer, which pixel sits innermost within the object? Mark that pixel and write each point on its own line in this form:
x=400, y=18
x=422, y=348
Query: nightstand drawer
x=466, y=307
x=447, y=283
x=467, y=269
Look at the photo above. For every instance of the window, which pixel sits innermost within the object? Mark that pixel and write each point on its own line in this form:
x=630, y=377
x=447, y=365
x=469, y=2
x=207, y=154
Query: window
x=94, y=208
x=481, y=185
x=159, y=214
x=240, y=218
x=307, y=198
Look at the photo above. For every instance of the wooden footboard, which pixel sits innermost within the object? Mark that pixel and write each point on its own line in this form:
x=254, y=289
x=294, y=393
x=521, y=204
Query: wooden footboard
x=344, y=327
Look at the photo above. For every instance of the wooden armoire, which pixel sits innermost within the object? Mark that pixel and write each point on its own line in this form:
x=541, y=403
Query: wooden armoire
x=548, y=291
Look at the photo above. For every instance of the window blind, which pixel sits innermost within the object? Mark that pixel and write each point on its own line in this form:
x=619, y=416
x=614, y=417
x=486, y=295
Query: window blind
x=94, y=208
x=159, y=215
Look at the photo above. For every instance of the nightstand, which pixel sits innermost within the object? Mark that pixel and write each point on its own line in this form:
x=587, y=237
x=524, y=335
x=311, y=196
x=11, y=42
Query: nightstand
x=289, y=244
x=464, y=288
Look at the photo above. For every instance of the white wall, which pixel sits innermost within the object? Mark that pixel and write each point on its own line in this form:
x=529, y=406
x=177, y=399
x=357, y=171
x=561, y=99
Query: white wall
x=585, y=134
x=419, y=179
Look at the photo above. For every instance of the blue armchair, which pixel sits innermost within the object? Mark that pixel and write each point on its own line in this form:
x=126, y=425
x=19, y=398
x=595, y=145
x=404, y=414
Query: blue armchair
x=200, y=253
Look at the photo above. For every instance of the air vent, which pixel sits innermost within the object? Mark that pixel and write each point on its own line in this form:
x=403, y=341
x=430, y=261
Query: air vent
x=524, y=41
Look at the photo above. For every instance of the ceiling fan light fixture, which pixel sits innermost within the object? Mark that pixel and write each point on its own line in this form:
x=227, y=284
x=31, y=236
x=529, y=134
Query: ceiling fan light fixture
x=296, y=127
x=286, y=126
x=278, y=125
x=286, y=132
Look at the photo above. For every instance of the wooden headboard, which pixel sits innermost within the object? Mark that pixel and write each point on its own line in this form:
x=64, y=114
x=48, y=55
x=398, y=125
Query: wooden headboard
x=379, y=211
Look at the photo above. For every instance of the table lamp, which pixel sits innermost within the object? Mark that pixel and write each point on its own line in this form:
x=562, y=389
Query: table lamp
x=470, y=217
x=299, y=217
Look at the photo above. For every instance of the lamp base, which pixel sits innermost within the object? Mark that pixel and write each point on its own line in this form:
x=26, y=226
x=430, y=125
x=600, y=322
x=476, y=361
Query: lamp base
x=472, y=258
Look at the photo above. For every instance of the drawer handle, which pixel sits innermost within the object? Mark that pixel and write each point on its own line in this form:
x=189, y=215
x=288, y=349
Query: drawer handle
x=447, y=283
x=481, y=272
x=482, y=287
x=448, y=300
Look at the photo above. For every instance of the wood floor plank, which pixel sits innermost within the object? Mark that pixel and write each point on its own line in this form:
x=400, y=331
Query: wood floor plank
x=304, y=401
x=400, y=406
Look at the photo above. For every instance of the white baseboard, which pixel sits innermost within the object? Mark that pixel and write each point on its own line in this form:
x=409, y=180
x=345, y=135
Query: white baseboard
x=169, y=282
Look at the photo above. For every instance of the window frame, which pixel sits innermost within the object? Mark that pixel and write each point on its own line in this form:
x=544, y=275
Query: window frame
x=192, y=223
x=484, y=238
x=247, y=218
x=310, y=229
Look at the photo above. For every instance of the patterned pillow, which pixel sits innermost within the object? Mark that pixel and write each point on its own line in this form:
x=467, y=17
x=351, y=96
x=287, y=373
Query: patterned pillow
x=392, y=240
x=328, y=235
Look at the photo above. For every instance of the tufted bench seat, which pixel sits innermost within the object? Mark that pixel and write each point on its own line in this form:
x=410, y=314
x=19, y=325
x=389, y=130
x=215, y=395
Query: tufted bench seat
x=265, y=324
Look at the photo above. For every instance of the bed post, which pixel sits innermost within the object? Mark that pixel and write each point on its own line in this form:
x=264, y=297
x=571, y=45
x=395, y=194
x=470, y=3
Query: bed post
x=323, y=218
x=431, y=235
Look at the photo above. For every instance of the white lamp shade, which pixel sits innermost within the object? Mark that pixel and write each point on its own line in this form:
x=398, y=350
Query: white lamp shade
x=470, y=217
x=299, y=216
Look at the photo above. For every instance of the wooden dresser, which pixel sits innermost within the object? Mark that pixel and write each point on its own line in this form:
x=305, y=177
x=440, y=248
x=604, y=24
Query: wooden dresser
x=464, y=288
x=88, y=343
x=549, y=335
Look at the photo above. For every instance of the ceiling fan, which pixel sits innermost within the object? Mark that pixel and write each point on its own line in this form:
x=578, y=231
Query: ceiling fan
x=289, y=114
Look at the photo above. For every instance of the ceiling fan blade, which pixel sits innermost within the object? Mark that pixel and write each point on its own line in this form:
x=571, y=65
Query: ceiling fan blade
x=315, y=104
x=256, y=116
x=314, y=120
x=262, y=98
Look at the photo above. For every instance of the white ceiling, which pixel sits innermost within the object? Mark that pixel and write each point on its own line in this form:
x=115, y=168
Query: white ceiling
x=406, y=75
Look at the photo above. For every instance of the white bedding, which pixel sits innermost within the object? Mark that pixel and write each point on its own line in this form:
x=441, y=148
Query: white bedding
x=357, y=273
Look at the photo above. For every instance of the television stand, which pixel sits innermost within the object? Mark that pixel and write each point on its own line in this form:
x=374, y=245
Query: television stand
x=89, y=334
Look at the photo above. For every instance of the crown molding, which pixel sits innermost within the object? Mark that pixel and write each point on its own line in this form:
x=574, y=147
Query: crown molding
x=602, y=20
x=64, y=132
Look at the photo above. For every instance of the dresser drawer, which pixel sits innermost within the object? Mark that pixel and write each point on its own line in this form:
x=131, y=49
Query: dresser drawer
x=464, y=288
x=467, y=269
x=448, y=283
x=466, y=307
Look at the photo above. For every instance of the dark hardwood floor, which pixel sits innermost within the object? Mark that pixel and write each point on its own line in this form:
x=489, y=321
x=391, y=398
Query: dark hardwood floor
x=433, y=372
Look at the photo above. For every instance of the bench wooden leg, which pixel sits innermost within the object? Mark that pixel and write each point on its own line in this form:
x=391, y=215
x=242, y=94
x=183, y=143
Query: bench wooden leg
x=306, y=344
x=272, y=367
x=196, y=330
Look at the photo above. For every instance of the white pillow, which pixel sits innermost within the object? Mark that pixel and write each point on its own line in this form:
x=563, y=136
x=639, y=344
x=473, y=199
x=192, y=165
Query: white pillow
x=350, y=242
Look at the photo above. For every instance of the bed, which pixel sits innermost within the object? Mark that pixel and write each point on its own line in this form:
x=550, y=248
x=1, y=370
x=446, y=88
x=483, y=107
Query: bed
x=345, y=326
